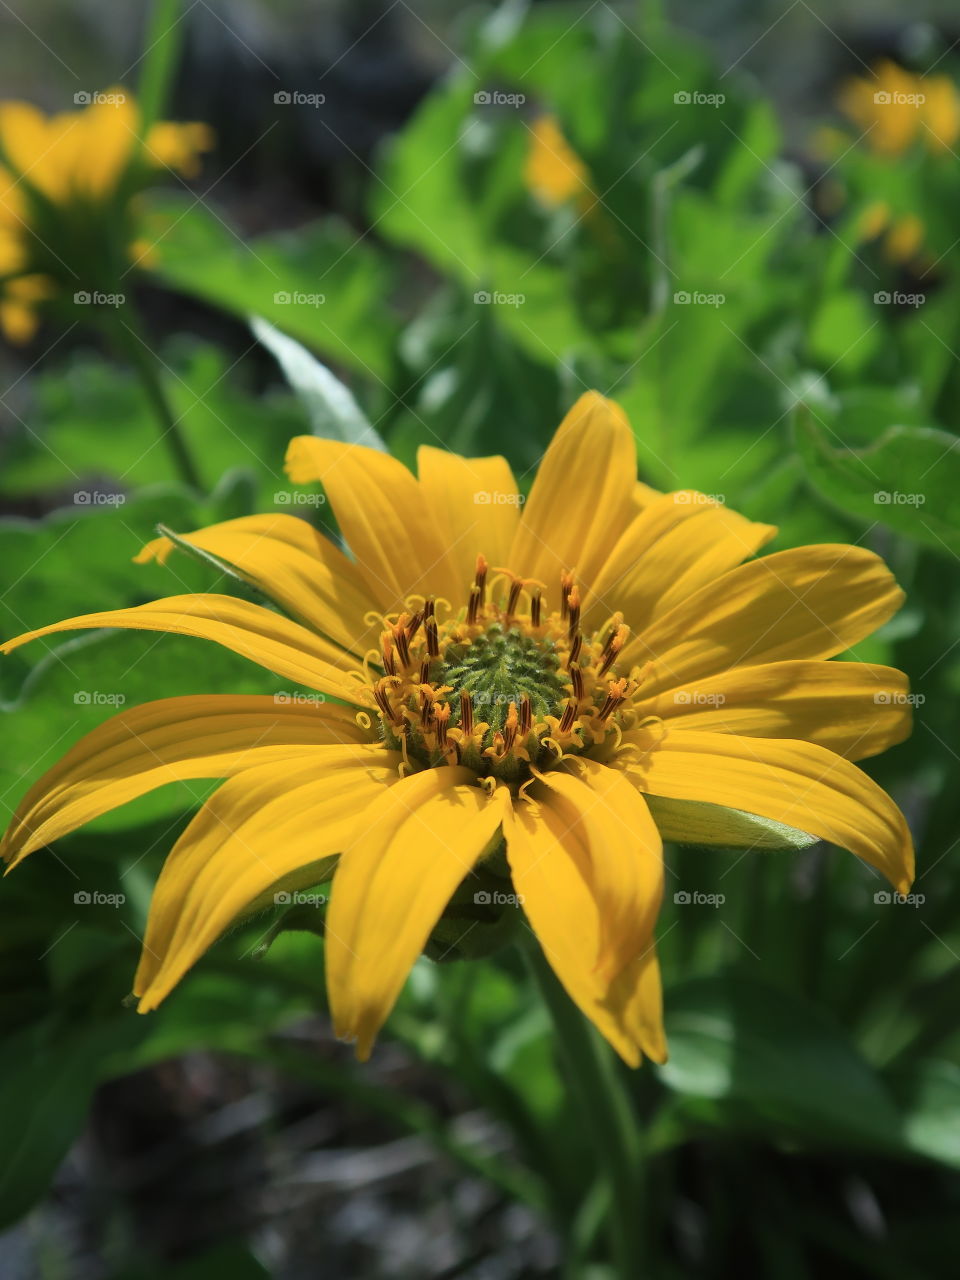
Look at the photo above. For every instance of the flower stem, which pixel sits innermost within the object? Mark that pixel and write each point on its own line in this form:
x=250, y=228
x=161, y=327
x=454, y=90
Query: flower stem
x=144, y=361
x=604, y=1107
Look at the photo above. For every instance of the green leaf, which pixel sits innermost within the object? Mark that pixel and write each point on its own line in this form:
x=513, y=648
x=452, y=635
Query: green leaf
x=754, y=1056
x=333, y=411
x=929, y=1093
x=321, y=283
x=908, y=479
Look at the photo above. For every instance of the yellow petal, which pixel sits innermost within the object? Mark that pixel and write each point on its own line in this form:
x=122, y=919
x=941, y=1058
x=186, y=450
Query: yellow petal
x=551, y=870
x=274, y=642
x=293, y=564
x=582, y=497
x=625, y=857
x=796, y=783
x=475, y=504
x=167, y=741
x=853, y=708
x=680, y=542
x=415, y=845
x=110, y=137
x=382, y=515
x=808, y=602
x=179, y=146
x=258, y=829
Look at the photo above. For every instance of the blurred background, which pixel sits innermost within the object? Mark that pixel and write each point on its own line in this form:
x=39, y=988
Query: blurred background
x=714, y=229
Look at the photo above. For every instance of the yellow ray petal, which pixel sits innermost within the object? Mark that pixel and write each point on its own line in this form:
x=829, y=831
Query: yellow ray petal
x=475, y=504
x=853, y=708
x=680, y=542
x=258, y=829
x=625, y=869
x=382, y=515
x=296, y=566
x=414, y=847
x=551, y=869
x=110, y=137
x=179, y=146
x=167, y=741
x=796, y=783
x=582, y=497
x=267, y=638
x=808, y=602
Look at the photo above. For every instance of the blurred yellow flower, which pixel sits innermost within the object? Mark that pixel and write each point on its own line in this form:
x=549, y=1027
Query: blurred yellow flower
x=66, y=183
x=904, y=234
x=896, y=108
x=551, y=727
x=554, y=173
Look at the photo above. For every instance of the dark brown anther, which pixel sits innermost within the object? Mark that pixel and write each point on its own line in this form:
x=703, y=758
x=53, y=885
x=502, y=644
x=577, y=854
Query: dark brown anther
x=433, y=638
x=526, y=716
x=566, y=586
x=575, y=646
x=400, y=639
x=569, y=717
x=383, y=703
x=513, y=599
x=536, y=604
x=616, y=694
x=466, y=712
x=386, y=646
x=615, y=643
x=474, y=604
x=441, y=717
x=429, y=607
x=510, y=728
x=413, y=626
x=425, y=672
x=573, y=607
x=576, y=677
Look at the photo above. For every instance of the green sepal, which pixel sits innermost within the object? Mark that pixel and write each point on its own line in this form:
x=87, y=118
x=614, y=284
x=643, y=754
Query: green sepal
x=694, y=822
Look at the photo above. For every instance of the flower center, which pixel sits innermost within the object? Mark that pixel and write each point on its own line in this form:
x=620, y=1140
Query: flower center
x=503, y=687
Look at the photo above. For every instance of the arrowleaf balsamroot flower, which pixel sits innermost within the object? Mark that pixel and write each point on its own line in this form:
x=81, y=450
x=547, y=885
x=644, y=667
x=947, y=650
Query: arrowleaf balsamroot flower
x=68, y=217
x=574, y=680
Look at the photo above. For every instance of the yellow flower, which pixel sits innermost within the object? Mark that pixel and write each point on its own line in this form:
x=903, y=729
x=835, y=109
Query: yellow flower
x=585, y=676
x=896, y=108
x=553, y=172
x=60, y=170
